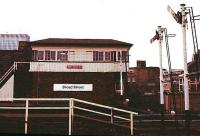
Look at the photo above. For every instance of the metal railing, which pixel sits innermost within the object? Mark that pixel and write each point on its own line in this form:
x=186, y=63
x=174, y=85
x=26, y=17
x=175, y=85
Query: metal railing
x=17, y=64
x=12, y=68
x=7, y=73
x=72, y=105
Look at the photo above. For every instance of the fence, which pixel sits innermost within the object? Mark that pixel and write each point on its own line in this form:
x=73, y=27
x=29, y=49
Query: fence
x=73, y=104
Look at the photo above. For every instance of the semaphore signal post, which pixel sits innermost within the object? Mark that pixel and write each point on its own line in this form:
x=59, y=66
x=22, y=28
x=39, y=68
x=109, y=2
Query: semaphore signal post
x=180, y=18
x=159, y=36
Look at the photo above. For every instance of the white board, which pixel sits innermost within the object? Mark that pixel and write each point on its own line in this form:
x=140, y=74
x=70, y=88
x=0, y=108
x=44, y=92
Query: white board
x=73, y=87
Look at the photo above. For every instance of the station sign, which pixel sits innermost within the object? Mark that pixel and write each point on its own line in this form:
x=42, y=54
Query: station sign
x=74, y=67
x=73, y=87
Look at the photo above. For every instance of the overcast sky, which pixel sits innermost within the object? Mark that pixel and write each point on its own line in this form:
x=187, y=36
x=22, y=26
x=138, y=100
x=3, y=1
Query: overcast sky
x=133, y=21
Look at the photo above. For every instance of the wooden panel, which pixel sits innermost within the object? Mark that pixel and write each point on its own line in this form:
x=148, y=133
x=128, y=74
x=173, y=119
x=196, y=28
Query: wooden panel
x=76, y=67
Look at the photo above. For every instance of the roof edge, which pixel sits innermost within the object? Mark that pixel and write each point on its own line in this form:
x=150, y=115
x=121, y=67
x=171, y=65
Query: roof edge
x=69, y=41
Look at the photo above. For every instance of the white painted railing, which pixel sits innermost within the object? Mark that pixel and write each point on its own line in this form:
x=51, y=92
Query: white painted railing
x=11, y=69
x=7, y=73
x=19, y=63
x=71, y=107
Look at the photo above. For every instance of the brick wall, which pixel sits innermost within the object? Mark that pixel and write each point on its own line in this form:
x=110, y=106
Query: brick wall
x=194, y=102
x=40, y=84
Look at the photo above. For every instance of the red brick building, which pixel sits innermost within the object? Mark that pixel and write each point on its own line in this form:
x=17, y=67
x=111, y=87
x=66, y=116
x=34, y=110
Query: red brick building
x=146, y=78
x=194, y=85
x=144, y=86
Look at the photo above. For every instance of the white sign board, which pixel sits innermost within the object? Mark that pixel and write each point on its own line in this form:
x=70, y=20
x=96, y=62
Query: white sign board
x=73, y=87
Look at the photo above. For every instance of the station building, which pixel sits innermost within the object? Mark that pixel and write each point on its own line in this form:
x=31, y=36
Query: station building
x=88, y=69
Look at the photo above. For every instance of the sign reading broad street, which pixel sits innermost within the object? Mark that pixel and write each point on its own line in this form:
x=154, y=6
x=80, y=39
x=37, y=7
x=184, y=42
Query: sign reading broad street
x=73, y=87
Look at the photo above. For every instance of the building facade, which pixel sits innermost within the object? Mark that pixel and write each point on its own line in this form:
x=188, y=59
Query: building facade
x=146, y=78
x=144, y=86
x=175, y=74
x=177, y=99
x=194, y=73
x=88, y=69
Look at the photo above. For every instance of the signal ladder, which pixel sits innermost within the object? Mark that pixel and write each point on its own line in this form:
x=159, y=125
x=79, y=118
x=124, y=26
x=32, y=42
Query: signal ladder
x=194, y=36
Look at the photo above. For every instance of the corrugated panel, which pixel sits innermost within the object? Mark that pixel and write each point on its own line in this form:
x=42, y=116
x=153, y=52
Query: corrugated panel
x=11, y=41
x=76, y=67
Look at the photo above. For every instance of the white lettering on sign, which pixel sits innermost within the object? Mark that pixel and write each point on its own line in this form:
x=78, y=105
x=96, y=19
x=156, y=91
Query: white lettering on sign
x=73, y=87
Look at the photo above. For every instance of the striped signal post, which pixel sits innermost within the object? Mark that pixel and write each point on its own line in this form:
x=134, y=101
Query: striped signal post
x=159, y=37
x=185, y=77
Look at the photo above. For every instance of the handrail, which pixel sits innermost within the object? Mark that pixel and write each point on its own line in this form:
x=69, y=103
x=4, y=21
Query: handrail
x=7, y=73
x=20, y=62
x=11, y=69
x=36, y=108
x=67, y=99
x=104, y=106
x=97, y=112
x=35, y=99
x=71, y=108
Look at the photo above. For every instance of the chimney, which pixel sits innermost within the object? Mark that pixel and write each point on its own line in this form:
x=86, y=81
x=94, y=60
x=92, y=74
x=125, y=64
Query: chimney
x=141, y=63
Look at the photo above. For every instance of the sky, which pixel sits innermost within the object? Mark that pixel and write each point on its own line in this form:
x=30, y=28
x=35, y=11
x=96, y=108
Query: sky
x=132, y=21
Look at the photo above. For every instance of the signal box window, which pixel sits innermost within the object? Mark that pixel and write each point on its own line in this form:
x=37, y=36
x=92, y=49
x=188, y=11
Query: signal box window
x=40, y=55
x=47, y=55
x=124, y=56
x=107, y=56
x=98, y=56
x=52, y=55
x=62, y=56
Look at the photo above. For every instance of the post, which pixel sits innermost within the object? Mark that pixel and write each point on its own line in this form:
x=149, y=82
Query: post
x=70, y=116
x=160, y=31
x=185, y=75
x=72, y=113
x=121, y=83
x=121, y=79
x=111, y=116
x=131, y=125
x=26, y=118
x=14, y=66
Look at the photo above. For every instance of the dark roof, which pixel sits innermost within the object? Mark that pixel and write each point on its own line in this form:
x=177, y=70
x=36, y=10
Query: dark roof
x=68, y=41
